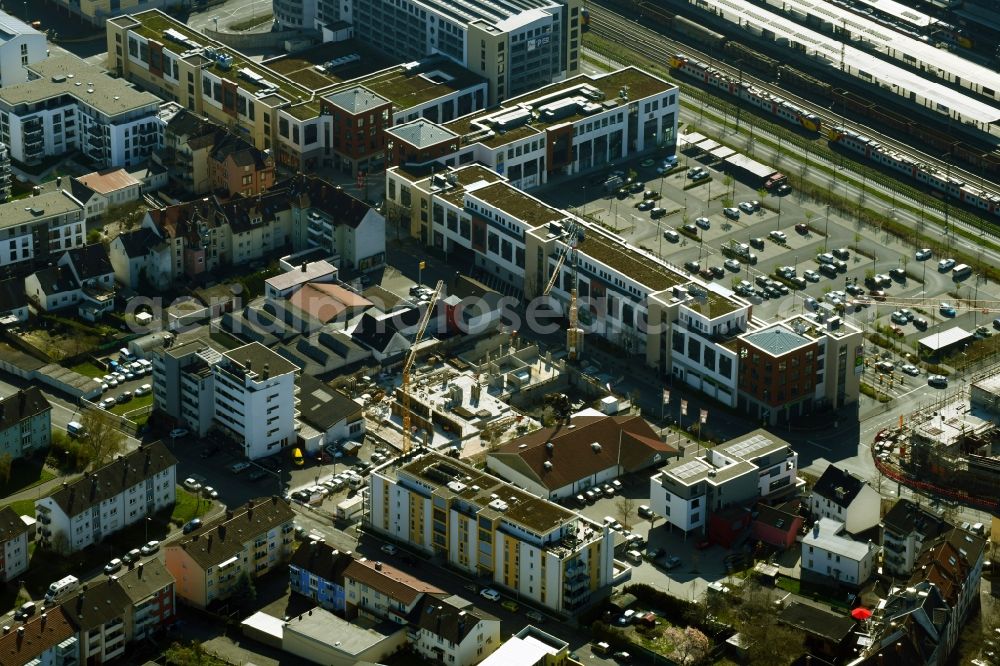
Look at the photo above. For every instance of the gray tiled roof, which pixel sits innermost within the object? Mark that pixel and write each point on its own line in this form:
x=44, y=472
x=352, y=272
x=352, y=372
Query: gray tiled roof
x=421, y=133
x=356, y=100
x=776, y=340
x=224, y=537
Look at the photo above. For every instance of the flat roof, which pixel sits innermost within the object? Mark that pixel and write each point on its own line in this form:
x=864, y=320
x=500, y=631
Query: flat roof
x=640, y=85
x=313, y=270
x=896, y=44
x=326, y=628
x=629, y=261
x=900, y=11
x=449, y=476
x=47, y=205
x=943, y=339
x=507, y=198
x=256, y=356
x=60, y=75
x=749, y=164
x=830, y=51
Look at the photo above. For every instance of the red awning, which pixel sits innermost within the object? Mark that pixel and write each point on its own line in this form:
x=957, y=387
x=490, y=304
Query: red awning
x=860, y=613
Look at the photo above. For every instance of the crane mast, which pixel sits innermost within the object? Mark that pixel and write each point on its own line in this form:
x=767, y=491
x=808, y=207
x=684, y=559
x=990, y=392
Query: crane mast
x=408, y=365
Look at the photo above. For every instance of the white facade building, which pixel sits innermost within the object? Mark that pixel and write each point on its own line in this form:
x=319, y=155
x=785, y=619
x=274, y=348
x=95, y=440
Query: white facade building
x=841, y=496
x=14, y=537
x=255, y=398
x=25, y=423
x=20, y=46
x=108, y=499
x=32, y=230
x=73, y=105
x=828, y=553
x=487, y=527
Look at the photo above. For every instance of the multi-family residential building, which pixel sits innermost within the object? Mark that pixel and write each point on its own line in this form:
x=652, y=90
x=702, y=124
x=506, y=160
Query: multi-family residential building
x=381, y=591
x=734, y=474
x=235, y=166
x=150, y=591
x=282, y=107
x=839, y=495
x=250, y=540
x=188, y=140
x=108, y=499
x=4, y=172
x=20, y=46
x=327, y=415
x=48, y=639
x=25, y=423
x=491, y=529
x=912, y=625
x=906, y=528
x=33, y=231
x=255, y=398
x=798, y=366
x=453, y=631
x=833, y=557
x=561, y=461
x=13, y=301
x=98, y=612
x=13, y=544
x=69, y=104
x=316, y=571
x=134, y=256
x=183, y=383
x=516, y=47
x=954, y=562
x=101, y=190
x=96, y=12
x=326, y=217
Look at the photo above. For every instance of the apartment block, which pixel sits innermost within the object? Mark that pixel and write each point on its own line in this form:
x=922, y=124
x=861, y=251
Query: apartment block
x=151, y=607
x=255, y=399
x=515, y=47
x=69, y=104
x=280, y=105
x=20, y=46
x=98, y=611
x=798, y=366
x=250, y=540
x=906, y=528
x=33, y=231
x=830, y=555
x=96, y=12
x=13, y=544
x=734, y=474
x=383, y=592
x=25, y=423
x=4, y=172
x=489, y=528
x=235, y=166
x=183, y=383
x=108, y=499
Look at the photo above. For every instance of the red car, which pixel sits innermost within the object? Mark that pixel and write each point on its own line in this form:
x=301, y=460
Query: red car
x=877, y=294
x=802, y=228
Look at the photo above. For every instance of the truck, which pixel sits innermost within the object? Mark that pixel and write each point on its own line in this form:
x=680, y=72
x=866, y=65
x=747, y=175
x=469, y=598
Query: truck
x=350, y=508
x=777, y=183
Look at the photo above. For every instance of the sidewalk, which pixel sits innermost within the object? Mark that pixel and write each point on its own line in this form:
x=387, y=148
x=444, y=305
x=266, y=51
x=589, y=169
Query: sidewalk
x=42, y=489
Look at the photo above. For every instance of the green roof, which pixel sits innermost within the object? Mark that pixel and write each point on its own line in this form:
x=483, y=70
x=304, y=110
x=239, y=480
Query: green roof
x=509, y=199
x=628, y=261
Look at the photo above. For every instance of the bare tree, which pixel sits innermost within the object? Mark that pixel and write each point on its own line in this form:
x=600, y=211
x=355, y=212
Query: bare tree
x=765, y=641
x=103, y=440
x=625, y=506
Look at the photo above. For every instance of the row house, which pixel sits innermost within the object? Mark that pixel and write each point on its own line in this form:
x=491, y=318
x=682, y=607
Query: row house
x=489, y=528
x=250, y=541
x=906, y=528
x=25, y=423
x=307, y=119
x=34, y=231
x=69, y=104
x=736, y=474
x=83, y=278
x=316, y=571
x=13, y=545
x=108, y=499
x=49, y=638
x=102, y=190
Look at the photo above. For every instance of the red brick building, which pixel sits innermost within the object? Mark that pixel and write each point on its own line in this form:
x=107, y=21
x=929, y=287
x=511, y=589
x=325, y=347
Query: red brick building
x=359, y=120
x=235, y=166
x=777, y=372
x=419, y=143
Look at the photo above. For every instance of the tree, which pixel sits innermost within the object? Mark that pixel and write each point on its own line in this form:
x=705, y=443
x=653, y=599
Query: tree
x=244, y=592
x=625, y=506
x=688, y=646
x=5, y=462
x=765, y=641
x=103, y=440
x=93, y=236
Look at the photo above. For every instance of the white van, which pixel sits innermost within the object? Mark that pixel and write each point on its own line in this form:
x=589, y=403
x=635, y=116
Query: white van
x=75, y=429
x=961, y=271
x=61, y=589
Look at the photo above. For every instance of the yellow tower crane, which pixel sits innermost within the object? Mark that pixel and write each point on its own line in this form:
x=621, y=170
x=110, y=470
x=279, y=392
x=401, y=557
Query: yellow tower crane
x=424, y=321
x=574, y=333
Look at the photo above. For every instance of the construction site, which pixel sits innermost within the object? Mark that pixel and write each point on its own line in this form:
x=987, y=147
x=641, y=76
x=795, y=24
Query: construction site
x=950, y=449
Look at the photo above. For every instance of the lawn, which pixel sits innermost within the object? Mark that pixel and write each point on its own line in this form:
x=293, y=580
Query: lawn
x=188, y=506
x=25, y=473
x=133, y=404
x=23, y=507
x=788, y=584
x=88, y=369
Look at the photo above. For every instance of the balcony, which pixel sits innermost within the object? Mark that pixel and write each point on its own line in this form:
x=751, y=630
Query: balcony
x=577, y=583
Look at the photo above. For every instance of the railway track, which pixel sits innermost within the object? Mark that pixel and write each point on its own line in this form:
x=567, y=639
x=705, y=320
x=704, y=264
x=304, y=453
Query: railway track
x=657, y=47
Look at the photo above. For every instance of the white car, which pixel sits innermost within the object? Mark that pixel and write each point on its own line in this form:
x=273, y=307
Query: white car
x=150, y=548
x=778, y=236
x=703, y=222
x=111, y=380
x=811, y=275
x=192, y=484
x=108, y=403
x=210, y=492
x=747, y=207
x=731, y=213
x=145, y=389
x=946, y=265
x=924, y=254
x=489, y=593
x=910, y=369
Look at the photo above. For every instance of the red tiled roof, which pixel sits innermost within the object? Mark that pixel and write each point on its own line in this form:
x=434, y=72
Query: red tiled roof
x=325, y=302
x=389, y=581
x=573, y=456
x=17, y=649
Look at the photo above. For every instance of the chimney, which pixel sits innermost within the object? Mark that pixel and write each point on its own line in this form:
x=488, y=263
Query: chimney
x=6, y=629
x=378, y=566
x=267, y=371
x=44, y=617
x=304, y=264
x=140, y=570
x=20, y=631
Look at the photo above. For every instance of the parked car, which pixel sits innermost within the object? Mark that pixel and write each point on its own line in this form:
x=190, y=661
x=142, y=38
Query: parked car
x=731, y=213
x=177, y=433
x=388, y=549
x=920, y=323
x=645, y=205
x=671, y=236
x=132, y=556
x=510, y=605
x=150, y=548
x=910, y=369
x=946, y=265
x=802, y=228
x=733, y=265
x=113, y=566
x=747, y=207
x=692, y=266
x=841, y=253
x=645, y=512
x=923, y=254
x=107, y=403
x=885, y=366
x=535, y=616
x=489, y=594
x=657, y=213
x=191, y=484
x=947, y=309
x=811, y=275
x=757, y=243
x=778, y=237
x=239, y=467
x=939, y=381
x=25, y=610
x=651, y=195
x=124, y=397
x=898, y=274
x=191, y=525
x=703, y=222
x=210, y=492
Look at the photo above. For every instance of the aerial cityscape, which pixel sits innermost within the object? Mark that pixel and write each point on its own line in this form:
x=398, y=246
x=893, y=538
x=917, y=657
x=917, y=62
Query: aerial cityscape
x=500, y=332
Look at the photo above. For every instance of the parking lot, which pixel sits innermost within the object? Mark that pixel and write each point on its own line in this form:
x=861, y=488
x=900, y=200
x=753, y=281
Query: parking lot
x=124, y=381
